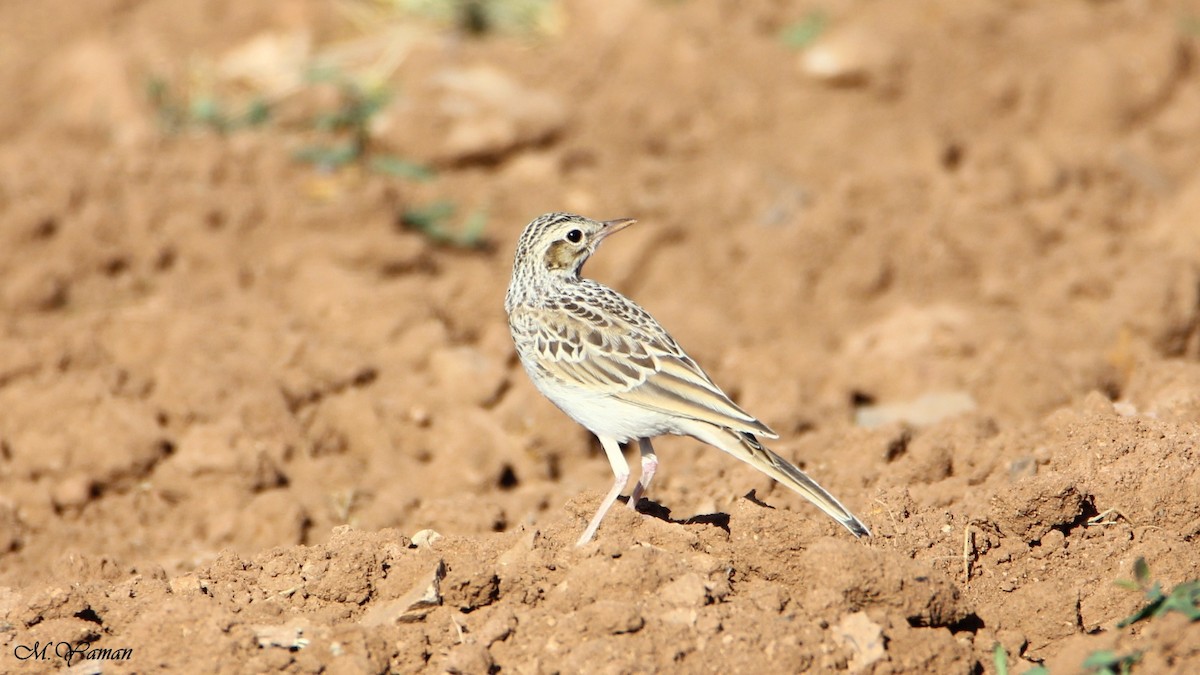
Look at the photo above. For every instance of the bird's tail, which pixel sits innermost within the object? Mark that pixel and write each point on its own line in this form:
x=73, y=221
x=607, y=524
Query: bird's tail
x=746, y=447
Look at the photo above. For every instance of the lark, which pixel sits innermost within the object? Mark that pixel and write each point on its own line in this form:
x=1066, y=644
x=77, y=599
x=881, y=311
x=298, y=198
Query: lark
x=607, y=364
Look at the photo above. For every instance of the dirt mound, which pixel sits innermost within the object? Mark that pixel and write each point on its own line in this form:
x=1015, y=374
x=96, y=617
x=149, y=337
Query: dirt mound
x=258, y=415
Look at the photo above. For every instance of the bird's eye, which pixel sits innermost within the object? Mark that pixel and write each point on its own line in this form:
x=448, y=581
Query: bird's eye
x=575, y=236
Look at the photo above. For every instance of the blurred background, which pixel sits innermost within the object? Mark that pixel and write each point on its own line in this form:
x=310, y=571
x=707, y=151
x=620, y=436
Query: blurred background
x=253, y=258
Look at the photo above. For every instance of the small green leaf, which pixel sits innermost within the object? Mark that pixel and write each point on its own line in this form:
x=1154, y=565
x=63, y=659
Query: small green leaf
x=328, y=157
x=323, y=72
x=1100, y=659
x=431, y=219
x=428, y=218
x=472, y=232
x=805, y=31
x=170, y=113
x=1000, y=659
x=157, y=90
x=401, y=168
x=1037, y=670
x=1145, y=612
x=371, y=101
x=1185, y=599
x=1141, y=571
x=1109, y=663
x=208, y=110
x=329, y=121
x=257, y=112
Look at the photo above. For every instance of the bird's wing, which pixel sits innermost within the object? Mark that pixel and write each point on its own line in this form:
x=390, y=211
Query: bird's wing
x=609, y=345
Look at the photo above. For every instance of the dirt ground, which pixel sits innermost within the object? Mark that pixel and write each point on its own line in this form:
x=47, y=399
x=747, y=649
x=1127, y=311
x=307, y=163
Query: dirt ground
x=950, y=250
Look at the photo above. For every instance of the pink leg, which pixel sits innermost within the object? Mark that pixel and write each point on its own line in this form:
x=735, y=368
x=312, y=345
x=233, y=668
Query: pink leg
x=621, y=473
x=649, y=466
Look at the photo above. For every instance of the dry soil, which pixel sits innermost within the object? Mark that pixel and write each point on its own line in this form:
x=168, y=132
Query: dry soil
x=948, y=249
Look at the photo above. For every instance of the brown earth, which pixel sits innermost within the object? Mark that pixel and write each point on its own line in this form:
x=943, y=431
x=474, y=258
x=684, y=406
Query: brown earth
x=233, y=389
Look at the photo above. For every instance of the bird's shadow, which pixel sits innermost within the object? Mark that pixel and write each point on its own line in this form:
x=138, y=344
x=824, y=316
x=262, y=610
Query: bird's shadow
x=656, y=510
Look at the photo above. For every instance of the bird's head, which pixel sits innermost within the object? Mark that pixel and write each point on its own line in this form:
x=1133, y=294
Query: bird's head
x=559, y=244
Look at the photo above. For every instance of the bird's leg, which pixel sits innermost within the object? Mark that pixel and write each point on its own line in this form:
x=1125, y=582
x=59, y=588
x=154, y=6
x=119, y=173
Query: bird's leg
x=649, y=466
x=621, y=473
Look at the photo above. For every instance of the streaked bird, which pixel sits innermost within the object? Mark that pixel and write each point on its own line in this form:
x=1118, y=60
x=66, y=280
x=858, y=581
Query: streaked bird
x=606, y=363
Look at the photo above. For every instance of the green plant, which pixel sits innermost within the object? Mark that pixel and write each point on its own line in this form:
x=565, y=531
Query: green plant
x=1110, y=663
x=176, y=111
x=401, y=168
x=1184, y=598
x=349, y=125
x=1000, y=661
x=805, y=31
x=431, y=220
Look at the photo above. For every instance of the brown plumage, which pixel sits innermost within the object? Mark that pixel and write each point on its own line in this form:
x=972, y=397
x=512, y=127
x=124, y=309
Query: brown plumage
x=611, y=367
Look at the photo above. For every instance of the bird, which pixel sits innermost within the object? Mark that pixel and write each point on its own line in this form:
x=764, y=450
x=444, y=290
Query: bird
x=611, y=367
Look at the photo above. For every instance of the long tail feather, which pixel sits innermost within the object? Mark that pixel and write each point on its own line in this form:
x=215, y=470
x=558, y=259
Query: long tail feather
x=747, y=448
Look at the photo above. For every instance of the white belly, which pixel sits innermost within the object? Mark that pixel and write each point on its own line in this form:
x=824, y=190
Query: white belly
x=604, y=415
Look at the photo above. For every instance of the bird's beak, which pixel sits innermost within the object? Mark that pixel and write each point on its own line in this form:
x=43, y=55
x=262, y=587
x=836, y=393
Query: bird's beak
x=612, y=227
